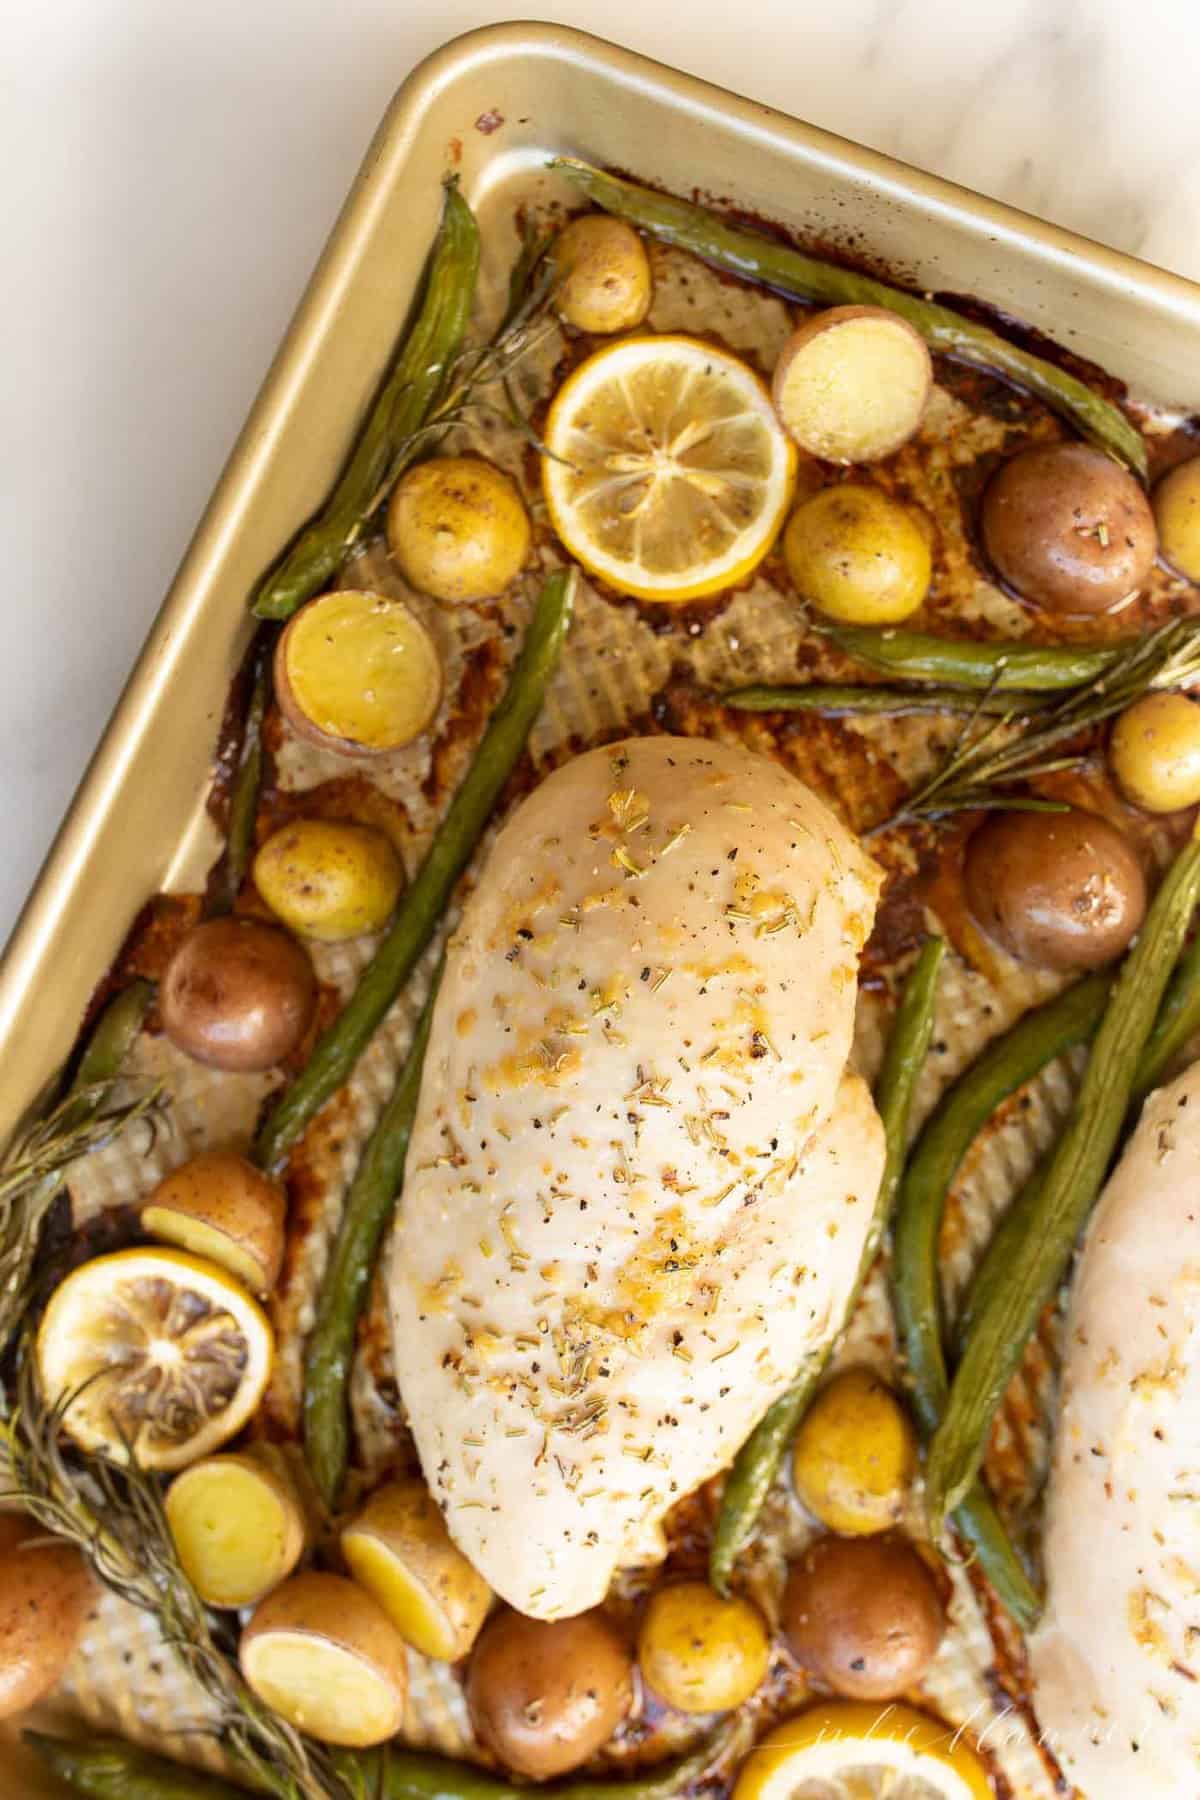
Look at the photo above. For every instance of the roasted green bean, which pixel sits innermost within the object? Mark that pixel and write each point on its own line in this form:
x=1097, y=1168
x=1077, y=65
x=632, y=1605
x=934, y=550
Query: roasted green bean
x=398, y=411
x=995, y=668
x=1006, y=1065
x=243, y=797
x=787, y=271
x=110, y=1768
x=1178, y=1021
x=368, y=1207
x=340, y=1046
x=757, y=1462
x=830, y=697
x=1001, y=1327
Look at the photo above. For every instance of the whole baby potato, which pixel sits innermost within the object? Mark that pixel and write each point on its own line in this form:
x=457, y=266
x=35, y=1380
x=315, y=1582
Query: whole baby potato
x=329, y=880
x=701, y=1653
x=604, y=275
x=1062, y=890
x=1154, y=752
x=1068, y=528
x=858, y=555
x=45, y=1592
x=458, y=528
x=1177, y=513
x=237, y=994
x=544, y=1695
x=855, y=1455
x=863, y=1614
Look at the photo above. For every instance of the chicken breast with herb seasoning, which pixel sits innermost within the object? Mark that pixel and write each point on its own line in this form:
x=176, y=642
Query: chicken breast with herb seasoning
x=640, y=1176
x=1116, y=1659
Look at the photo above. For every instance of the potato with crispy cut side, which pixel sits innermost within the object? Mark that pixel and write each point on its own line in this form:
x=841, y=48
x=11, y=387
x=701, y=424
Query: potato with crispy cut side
x=220, y=1206
x=324, y=1655
x=458, y=529
x=1177, y=515
x=237, y=995
x=859, y=555
x=855, y=1455
x=357, y=673
x=45, y=1592
x=851, y=383
x=328, y=879
x=238, y=1525
x=398, y=1548
x=603, y=275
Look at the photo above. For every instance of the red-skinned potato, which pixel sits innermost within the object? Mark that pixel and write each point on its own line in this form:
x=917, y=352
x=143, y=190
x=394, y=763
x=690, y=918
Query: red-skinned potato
x=1068, y=528
x=863, y=1615
x=237, y=995
x=45, y=1592
x=544, y=1695
x=851, y=383
x=1061, y=891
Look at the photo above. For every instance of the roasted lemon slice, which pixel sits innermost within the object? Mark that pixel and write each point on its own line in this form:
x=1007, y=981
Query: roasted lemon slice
x=156, y=1353
x=668, y=473
x=851, y=1751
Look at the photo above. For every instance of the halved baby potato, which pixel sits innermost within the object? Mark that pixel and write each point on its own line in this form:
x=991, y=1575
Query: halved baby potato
x=221, y=1207
x=325, y=1656
x=398, y=1548
x=851, y=383
x=357, y=673
x=238, y=1525
x=329, y=879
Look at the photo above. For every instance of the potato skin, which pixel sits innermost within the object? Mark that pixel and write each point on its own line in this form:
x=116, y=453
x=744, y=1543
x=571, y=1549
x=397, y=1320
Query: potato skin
x=701, y=1653
x=863, y=1614
x=544, y=1695
x=45, y=1593
x=458, y=529
x=237, y=995
x=328, y=880
x=1068, y=528
x=604, y=281
x=858, y=555
x=1061, y=891
x=225, y=1191
x=855, y=1455
x=1177, y=514
x=857, y=407
x=318, y=1604
x=405, y=1517
x=1154, y=752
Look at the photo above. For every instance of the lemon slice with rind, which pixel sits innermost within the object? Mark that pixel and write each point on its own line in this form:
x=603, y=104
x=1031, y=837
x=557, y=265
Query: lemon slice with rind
x=847, y=1750
x=668, y=473
x=154, y=1353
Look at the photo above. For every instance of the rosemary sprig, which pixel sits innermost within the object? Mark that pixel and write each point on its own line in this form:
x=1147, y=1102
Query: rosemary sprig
x=115, y=1518
x=982, y=764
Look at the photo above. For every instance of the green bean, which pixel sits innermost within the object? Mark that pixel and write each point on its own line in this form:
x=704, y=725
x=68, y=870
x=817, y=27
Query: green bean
x=1006, y=1065
x=398, y=411
x=756, y=1465
x=368, y=1207
x=998, y=668
x=111, y=1041
x=828, y=697
x=413, y=1775
x=340, y=1046
x=243, y=797
x=1076, y=1169
x=109, y=1768
x=710, y=236
x=1178, y=1021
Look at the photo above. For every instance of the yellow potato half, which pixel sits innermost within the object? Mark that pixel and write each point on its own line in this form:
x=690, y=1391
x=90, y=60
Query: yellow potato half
x=1177, y=514
x=398, y=1548
x=221, y=1207
x=238, y=1526
x=329, y=880
x=855, y=1455
x=851, y=383
x=458, y=529
x=325, y=1656
x=357, y=673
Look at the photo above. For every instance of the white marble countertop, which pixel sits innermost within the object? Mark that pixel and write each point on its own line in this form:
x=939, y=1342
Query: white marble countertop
x=174, y=169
